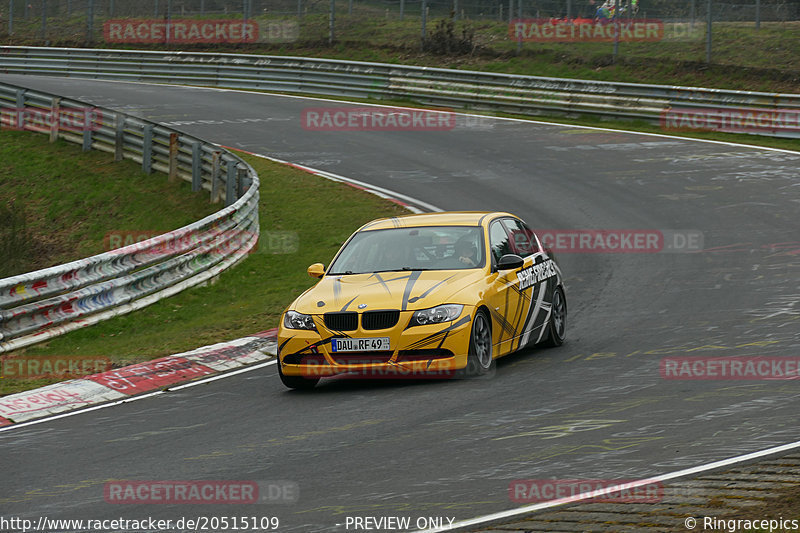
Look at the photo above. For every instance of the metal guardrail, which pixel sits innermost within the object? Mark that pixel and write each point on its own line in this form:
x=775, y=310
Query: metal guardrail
x=530, y=95
x=48, y=302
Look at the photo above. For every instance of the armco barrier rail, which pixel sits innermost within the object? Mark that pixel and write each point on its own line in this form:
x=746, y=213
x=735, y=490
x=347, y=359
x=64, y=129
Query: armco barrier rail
x=457, y=88
x=41, y=304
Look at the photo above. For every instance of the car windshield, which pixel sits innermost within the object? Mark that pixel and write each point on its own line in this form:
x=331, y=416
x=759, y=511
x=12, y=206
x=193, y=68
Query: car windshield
x=421, y=248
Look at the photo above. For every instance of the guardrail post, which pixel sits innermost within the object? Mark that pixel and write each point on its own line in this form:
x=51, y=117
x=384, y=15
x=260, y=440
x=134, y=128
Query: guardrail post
x=88, y=126
x=197, y=166
x=55, y=109
x=240, y=181
x=87, y=140
x=173, y=156
x=20, y=103
x=230, y=183
x=215, y=169
x=119, y=138
x=147, y=149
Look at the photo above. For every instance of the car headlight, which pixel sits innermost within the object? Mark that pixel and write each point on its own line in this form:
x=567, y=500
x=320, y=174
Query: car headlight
x=295, y=320
x=436, y=315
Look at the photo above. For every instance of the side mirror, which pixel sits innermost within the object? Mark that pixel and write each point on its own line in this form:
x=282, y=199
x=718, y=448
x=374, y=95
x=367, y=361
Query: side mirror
x=317, y=270
x=510, y=262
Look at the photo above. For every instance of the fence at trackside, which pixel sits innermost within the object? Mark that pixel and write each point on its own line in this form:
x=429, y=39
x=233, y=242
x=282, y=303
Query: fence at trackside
x=39, y=305
x=494, y=92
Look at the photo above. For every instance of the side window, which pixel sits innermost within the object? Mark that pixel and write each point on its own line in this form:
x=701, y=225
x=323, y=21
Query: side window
x=498, y=240
x=523, y=241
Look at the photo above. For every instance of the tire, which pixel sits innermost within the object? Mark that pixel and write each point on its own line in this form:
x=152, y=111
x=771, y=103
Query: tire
x=479, y=359
x=557, y=327
x=297, y=382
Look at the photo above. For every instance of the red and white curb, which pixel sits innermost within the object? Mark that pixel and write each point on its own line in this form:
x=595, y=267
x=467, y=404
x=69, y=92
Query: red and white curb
x=120, y=383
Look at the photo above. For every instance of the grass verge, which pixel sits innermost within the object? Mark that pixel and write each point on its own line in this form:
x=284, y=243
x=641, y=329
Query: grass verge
x=58, y=204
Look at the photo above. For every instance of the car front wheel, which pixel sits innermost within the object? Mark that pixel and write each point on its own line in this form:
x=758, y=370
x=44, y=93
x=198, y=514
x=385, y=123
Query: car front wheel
x=297, y=382
x=479, y=360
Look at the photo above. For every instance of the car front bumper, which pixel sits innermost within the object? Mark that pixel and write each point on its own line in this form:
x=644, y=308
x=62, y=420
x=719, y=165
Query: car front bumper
x=429, y=351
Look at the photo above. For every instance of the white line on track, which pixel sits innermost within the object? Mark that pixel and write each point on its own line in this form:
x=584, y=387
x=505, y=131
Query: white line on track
x=511, y=513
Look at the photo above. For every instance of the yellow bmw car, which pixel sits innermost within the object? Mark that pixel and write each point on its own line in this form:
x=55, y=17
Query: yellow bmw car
x=437, y=294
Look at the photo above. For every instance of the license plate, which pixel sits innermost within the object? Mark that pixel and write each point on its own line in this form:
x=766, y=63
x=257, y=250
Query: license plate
x=374, y=344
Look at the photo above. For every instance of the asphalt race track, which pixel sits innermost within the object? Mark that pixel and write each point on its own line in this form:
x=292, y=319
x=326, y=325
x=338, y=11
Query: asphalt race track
x=595, y=408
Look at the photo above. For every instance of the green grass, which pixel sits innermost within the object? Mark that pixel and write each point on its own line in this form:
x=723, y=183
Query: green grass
x=244, y=300
x=60, y=204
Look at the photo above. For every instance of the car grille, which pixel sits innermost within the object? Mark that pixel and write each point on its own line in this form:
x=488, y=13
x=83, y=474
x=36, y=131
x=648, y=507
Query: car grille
x=346, y=321
x=423, y=355
x=357, y=358
x=379, y=319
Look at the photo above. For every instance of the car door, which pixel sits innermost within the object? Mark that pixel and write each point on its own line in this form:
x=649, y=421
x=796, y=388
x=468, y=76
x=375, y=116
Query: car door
x=537, y=280
x=507, y=303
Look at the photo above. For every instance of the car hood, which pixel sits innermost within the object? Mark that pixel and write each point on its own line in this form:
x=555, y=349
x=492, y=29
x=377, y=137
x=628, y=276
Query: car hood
x=387, y=290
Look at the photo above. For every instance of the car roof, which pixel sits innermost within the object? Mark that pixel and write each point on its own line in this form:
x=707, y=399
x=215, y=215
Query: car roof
x=444, y=218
